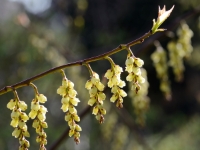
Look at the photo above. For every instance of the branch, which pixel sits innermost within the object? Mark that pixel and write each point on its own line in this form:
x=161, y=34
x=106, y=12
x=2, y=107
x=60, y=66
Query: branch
x=121, y=47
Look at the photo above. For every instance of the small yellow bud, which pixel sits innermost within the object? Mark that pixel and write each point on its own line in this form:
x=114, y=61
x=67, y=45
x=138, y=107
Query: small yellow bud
x=72, y=93
x=41, y=98
x=41, y=116
x=95, y=110
x=38, y=130
x=44, y=125
x=139, y=62
x=91, y=101
x=71, y=132
x=35, y=106
x=24, y=116
x=129, y=61
x=93, y=91
x=61, y=90
x=65, y=100
x=15, y=114
x=101, y=96
x=129, y=69
x=94, y=80
x=26, y=143
x=114, y=98
x=35, y=123
x=16, y=132
x=22, y=105
x=115, y=89
x=77, y=134
x=103, y=111
x=76, y=118
x=32, y=114
x=100, y=86
x=130, y=77
x=140, y=79
x=116, y=80
x=65, y=107
x=78, y=128
x=74, y=101
x=118, y=69
x=11, y=104
x=122, y=84
x=88, y=84
x=70, y=84
x=22, y=124
x=122, y=93
x=38, y=139
x=72, y=109
x=43, y=109
x=110, y=83
x=67, y=117
x=14, y=122
x=109, y=74
x=65, y=82
x=136, y=71
x=26, y=133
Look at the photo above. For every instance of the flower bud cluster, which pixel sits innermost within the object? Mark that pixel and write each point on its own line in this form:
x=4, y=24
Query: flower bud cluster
x=97, y=96
x=140, y=100
x=133, y=66
x=38, y=113
x=19, y=119
x=115, y=83
x=176, y=54
x=185, y=34
x=68, y=101
x=180, y=50
x=159, y=58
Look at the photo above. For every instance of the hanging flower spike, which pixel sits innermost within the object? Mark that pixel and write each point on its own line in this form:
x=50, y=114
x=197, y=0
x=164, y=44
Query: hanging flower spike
x=97, y=96
x=19, y=120
x=176, y=54
x=38, y=114
x=68, y=101
x=133, y=66
x=159, y=58
x=185, y=34
x=162, y=16
x=140, y=100
x=115, y=83
x=180, y=49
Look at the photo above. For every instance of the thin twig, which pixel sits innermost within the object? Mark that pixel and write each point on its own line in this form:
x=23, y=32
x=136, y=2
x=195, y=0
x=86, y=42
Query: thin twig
x=78, y=63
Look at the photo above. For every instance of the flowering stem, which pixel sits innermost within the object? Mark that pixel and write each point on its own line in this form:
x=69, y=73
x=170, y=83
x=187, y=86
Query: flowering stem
x=89, y=68
x=130, y=53
x=121, y=47
x=63, y=73
x=111, y=61
x=35, y=88
x=15, y=94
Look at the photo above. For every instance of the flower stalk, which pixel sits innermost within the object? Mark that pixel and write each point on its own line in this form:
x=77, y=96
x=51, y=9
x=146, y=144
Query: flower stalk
x=38, y=114
x=19, y=119
x=95, y=88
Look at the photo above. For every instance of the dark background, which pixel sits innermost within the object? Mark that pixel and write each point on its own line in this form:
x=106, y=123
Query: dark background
x=34, y=39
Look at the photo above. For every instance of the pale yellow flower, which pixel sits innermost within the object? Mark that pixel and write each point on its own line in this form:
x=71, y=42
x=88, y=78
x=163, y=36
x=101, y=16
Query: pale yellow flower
x=11, y=104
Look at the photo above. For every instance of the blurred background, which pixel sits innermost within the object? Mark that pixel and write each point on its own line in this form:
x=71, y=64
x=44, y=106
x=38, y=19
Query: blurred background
x=38, y=35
